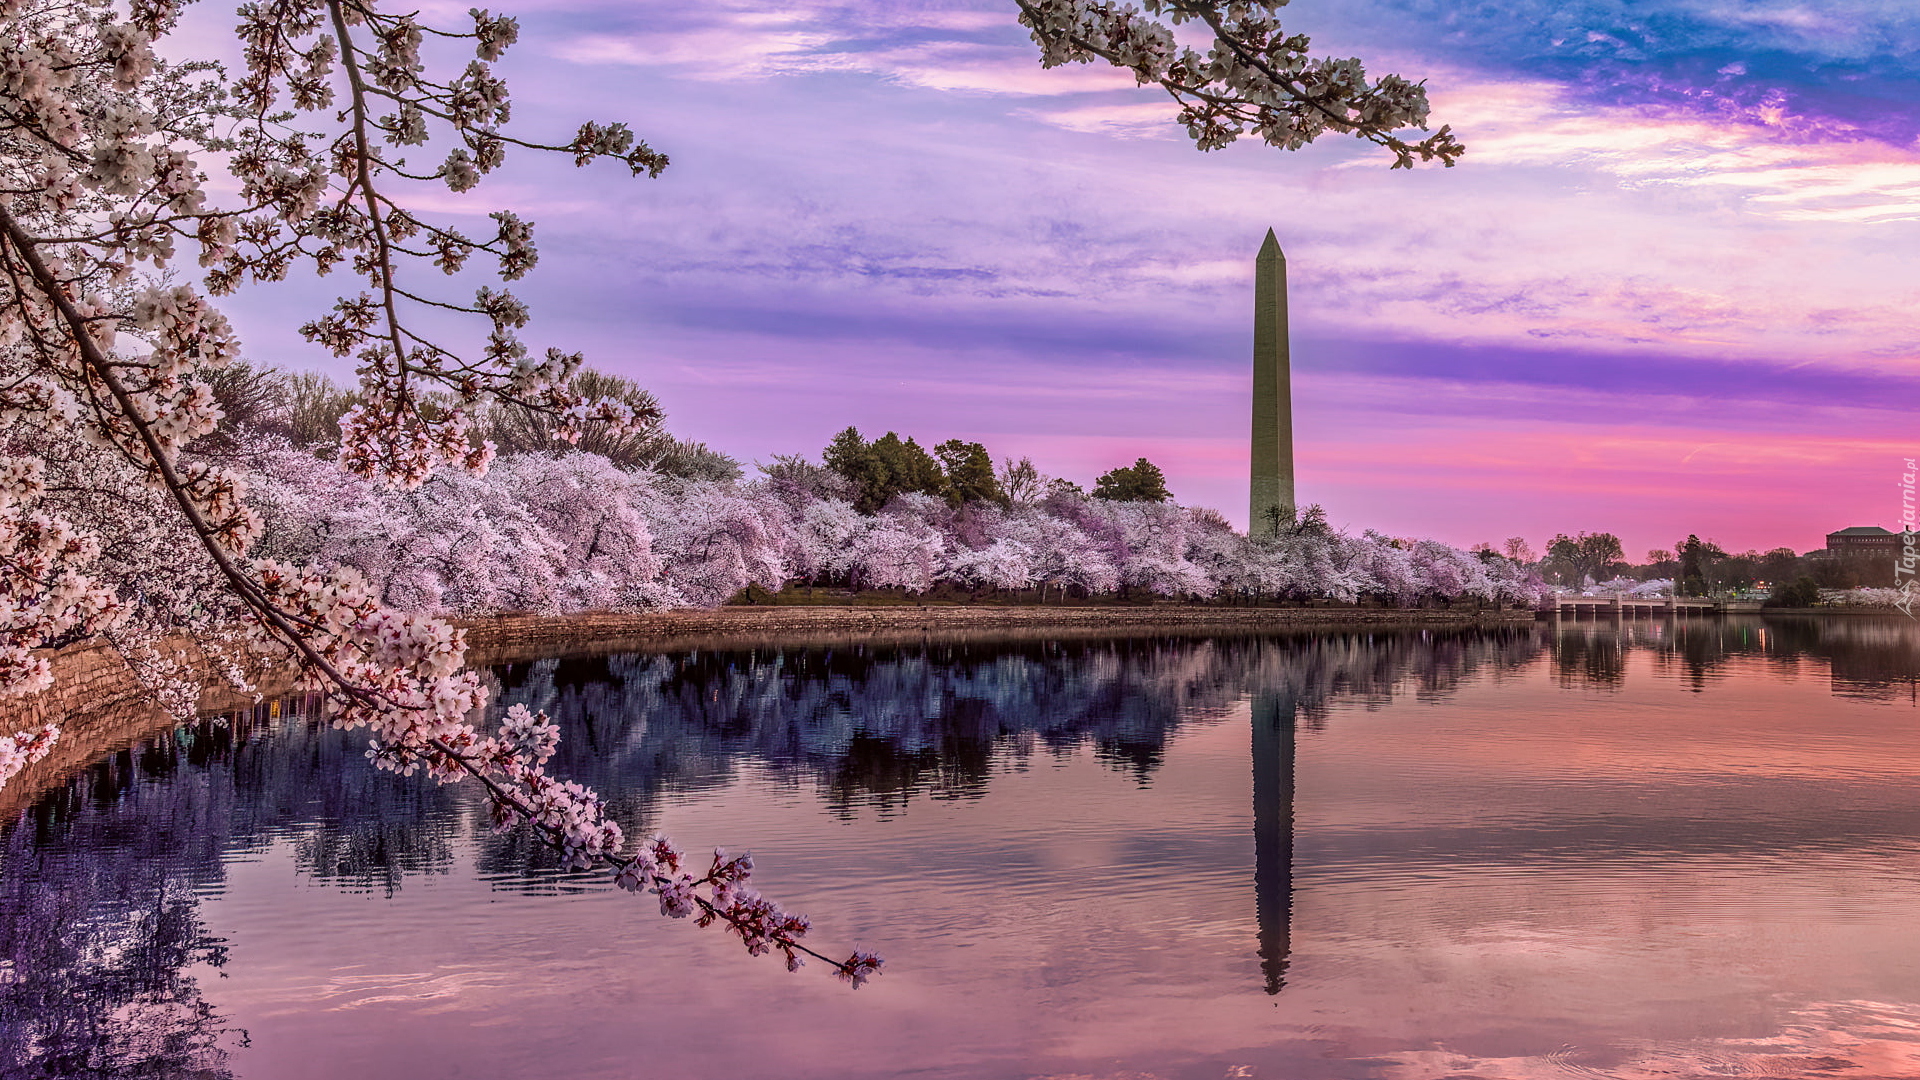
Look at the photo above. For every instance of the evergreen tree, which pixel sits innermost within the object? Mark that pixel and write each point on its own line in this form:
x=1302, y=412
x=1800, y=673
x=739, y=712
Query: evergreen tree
x=1697, y=559
x=1142, y=482
x=853, y=458
x=969, y=470
x=907, y=467
x=883, y=468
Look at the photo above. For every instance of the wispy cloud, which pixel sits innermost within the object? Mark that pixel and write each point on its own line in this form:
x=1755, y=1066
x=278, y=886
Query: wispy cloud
x=974, y=49
x=1539, y=123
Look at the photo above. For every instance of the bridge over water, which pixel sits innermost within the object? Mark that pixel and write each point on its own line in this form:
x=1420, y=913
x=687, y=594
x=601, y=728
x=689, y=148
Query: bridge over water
x=1667, y=606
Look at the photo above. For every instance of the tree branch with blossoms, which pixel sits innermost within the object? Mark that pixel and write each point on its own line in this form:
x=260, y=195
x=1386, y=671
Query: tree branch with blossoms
x=99, y=179
x=1254, y=79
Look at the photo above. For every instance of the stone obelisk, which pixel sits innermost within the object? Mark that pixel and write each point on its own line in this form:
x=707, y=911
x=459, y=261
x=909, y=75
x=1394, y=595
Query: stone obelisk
x=1272, y=487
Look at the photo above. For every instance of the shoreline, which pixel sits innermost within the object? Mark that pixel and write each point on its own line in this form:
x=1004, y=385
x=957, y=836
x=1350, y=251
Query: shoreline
x=102, y=710
x=505, y=638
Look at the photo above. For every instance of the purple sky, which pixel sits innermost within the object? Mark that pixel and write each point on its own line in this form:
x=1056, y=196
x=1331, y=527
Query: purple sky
x=1670, y=288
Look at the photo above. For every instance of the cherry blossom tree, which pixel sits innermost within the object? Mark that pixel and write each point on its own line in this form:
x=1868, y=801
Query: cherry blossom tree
x=1150, y=547
x=102, y=183
x=1065, y=556
x=714, y=540
x=575, y=532
x=895, y=554
x=824, y=538
x=607, y=559
x=1003, y=564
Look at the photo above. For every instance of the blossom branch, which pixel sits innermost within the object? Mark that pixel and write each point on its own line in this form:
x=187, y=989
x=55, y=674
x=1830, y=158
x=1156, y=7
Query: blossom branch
x=1252, y=79
x=66, y=299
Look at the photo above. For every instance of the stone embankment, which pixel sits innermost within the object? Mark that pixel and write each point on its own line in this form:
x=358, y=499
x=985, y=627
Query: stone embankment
x=101, y=708
x=511, y=637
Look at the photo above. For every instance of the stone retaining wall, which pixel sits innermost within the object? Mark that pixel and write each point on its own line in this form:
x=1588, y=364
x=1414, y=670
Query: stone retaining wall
x=100, y=707
x=512, y=637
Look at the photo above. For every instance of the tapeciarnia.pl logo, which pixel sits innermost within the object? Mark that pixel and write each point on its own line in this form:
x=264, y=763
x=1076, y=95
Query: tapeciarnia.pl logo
x=1909, y=561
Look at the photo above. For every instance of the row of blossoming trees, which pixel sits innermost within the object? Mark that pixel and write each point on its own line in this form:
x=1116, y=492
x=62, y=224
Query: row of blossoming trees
x=573, y=531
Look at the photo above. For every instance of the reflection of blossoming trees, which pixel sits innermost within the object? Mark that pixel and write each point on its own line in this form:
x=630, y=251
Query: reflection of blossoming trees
x=881, y=722
x=99, y=925
x=326, y=134
x=99, y=881
x=1866, y=657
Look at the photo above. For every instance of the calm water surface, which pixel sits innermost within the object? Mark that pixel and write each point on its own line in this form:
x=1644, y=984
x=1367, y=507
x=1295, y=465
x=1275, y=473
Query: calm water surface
x=1593, y=850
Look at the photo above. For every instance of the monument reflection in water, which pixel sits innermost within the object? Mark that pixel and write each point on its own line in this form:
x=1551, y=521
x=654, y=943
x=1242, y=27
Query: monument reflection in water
x=1273, y=746
x=114, y=964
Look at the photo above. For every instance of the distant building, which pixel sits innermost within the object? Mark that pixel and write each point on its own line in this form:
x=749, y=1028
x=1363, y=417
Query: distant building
x=1862, y=540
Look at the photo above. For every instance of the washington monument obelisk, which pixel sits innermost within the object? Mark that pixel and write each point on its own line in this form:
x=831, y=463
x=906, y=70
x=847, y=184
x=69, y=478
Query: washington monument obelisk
x=1272, y=485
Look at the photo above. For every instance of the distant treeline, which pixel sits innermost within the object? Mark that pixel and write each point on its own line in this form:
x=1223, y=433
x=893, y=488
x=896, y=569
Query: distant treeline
x=1702, y=568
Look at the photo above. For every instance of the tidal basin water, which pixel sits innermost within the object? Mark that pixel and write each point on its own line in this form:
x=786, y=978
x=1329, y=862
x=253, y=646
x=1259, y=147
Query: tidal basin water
x=1632, y=850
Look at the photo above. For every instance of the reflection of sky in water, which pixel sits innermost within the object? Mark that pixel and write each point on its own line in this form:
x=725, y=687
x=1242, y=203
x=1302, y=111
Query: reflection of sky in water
x=1586, y=851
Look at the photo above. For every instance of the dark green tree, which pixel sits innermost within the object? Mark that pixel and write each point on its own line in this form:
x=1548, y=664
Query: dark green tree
x=1804, y=592
x=908, y=467
x=1141, y=482
x=1780, y=566
x=1660, y=563
x=1588, y=555
x=853, y=458
x=883, y=468
x=1699, y=563
x=969, y=470
x=1740, y=571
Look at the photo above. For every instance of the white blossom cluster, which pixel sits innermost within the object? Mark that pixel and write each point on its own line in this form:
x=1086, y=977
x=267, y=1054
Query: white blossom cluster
x=46, y=591
x=1632, y=588
x=1867, y=596
x=23, y=748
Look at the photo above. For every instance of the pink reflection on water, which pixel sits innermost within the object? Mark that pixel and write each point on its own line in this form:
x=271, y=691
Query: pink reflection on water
x=1633, y=874
x=1861, y=1039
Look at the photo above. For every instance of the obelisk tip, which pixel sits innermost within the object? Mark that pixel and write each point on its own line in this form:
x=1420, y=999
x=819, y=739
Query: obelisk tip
x=1271, y=247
